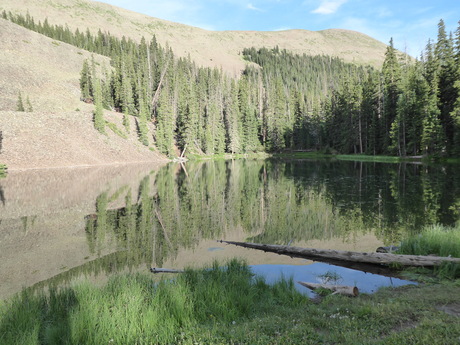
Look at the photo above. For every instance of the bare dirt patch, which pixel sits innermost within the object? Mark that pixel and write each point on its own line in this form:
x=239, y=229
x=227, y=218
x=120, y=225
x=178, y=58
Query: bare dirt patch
x=40, y=140
x=451, y=309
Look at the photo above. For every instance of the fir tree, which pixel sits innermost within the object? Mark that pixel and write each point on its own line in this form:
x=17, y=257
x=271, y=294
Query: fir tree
x=448, y=75
x=99, y=122
x=391, y=71
x=143, y=129
x=86, y=84
x=19, y=103
x=29, y=105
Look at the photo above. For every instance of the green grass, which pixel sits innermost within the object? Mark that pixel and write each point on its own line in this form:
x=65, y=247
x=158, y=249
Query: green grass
x=368, y=158
x=116, y=130
x=3, y=170
x=134, y=309
x=319, y=155
x=227, y=305
x=436, y=240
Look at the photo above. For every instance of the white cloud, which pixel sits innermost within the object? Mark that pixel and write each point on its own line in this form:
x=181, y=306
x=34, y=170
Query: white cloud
x=252, y=7
x=329, y=6
x=284, y=28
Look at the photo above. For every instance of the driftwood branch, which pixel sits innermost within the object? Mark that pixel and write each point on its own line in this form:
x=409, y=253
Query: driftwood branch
x=345, y=290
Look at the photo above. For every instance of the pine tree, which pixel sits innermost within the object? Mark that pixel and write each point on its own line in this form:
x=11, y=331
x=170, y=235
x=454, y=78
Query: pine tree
x=143, y=129
x=300, y=133
x=248, y=118
x=29, y=105
x=448, y=75
x=20, y=104
x=391, y=71
x=165, y=123
x=86, y=84
x=233, y=121
x=99, y=122
x=455, y=113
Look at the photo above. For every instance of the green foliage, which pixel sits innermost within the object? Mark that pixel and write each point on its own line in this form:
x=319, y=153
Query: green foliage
x=99, y=122
x=134, y=309
x=29, y=107
x=20, y=103
x=436, y=240
x=3, y=170
x=86, y=84
x=142, y=124
x=292, y=102
x=116, y=130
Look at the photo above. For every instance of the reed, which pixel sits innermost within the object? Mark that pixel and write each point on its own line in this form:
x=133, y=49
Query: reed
x=436, y=240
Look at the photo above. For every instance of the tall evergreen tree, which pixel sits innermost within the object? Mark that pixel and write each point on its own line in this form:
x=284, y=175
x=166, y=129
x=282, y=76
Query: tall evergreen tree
x=233, y=120
x=391, y=71
x=86, y=84
x=165, y=123
x=20, y=103
x=29, y=107
x=142, y=123
x=448, y=75
x=99, y=122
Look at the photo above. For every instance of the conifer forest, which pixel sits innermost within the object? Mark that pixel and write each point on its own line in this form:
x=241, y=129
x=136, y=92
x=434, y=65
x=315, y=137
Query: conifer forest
x=280, y=102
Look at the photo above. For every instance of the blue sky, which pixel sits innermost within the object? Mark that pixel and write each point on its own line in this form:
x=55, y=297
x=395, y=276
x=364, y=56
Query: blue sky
x=410, y=22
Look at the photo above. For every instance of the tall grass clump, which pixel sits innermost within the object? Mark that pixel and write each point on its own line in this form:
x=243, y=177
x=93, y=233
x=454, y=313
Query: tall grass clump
x=436, y=240
x=136, y=309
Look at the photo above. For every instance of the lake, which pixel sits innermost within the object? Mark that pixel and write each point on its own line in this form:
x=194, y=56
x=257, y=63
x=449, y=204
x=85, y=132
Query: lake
x=61, y=225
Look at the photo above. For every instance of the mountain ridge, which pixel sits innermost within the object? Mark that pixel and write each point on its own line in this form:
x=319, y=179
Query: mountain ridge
x=206, y=48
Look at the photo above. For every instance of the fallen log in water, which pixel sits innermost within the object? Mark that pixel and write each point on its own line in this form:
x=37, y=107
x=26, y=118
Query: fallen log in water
x=389, y=249
x=164, y=270
x=328, y=255
x=345, y=290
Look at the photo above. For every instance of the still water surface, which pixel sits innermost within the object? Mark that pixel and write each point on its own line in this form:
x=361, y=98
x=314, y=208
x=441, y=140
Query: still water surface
x=57, y=226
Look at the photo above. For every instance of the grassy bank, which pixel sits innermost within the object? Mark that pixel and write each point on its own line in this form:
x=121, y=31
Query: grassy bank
x=357, y=157
x=327, y=155
x=226, y=305
x=436, y=240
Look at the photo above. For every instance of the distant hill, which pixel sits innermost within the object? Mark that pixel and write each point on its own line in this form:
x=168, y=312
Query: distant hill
x=206, y=48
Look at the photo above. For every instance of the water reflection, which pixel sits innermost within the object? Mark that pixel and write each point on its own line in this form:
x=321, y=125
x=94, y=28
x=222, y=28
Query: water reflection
x=366, y=282
x=279, y=202
x=98, y=223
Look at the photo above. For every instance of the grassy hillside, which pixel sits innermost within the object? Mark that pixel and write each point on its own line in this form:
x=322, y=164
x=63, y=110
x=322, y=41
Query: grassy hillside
x=45, y=70
x=207, y=48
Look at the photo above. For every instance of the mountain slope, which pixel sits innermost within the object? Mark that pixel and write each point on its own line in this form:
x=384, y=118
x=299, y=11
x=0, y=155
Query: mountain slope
x=206, y=48
x=55, y=134
x=46, y=70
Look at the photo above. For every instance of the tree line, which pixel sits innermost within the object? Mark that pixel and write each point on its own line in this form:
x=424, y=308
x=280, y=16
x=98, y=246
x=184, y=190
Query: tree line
x=281, y=101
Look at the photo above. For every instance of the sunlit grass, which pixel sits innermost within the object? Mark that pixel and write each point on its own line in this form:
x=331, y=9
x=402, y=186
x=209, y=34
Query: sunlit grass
x=370, y=158
x=226, y=305
x=134, y=309
x=436, y=240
